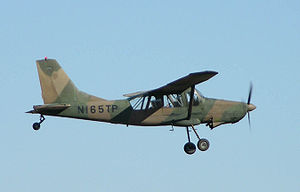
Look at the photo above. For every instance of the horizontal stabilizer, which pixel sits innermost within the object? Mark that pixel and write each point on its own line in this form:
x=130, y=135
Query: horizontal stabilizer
x=49, y=108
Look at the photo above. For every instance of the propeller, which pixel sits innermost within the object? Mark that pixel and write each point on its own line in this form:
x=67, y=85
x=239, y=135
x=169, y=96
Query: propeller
x=250, y=106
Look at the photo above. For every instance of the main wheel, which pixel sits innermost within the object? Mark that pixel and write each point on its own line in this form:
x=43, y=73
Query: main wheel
x=190, y=148
x=36, y=126
x=203, y=144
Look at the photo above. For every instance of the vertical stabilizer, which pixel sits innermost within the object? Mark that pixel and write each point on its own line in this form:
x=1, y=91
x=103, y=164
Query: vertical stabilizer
x=56, y=86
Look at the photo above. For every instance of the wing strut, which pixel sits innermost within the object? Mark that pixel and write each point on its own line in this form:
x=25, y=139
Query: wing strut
x=191, y=102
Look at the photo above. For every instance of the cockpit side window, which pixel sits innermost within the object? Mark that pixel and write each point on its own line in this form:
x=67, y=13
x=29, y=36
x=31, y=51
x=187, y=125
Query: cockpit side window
x=150, y=102
x=156, y=102
x=137, y=103
x=175, y=100
x=147, y=102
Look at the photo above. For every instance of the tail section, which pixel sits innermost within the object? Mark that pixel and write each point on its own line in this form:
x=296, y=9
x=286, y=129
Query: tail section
x=56, y=86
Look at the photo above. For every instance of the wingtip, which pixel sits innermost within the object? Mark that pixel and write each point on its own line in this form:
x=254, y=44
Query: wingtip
x=214, y=72
x=32, y=111
x=208, y=71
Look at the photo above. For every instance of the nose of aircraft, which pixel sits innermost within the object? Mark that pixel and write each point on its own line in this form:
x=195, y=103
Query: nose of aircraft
x=251, y=107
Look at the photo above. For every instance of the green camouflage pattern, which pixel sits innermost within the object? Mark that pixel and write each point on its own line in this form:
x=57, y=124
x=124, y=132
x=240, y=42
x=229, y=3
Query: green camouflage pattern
x=62, y=98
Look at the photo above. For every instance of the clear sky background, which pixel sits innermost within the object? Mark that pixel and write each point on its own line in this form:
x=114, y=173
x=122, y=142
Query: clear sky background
x=109, y=48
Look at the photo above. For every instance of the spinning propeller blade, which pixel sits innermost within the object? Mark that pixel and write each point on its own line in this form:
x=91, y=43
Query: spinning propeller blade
x=249, y=121
x=250, y=93
x=250, y=106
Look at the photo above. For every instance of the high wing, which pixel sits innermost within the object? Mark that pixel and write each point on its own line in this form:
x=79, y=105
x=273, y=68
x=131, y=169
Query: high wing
x=177, y=86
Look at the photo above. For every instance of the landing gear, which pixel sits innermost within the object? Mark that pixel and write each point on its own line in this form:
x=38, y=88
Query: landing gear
x=203, y=144
x=37, y=125
x=190, y=148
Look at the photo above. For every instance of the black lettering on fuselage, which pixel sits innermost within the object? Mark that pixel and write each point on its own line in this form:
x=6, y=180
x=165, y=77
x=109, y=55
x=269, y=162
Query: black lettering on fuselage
x=84, y=109
x=80, y=109
x=108, y=107
x=93, y=109
x=114, y=107
x=100, y=108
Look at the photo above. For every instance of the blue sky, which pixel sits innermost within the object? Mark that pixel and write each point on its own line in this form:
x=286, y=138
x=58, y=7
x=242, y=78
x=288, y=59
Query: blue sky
x=110, y=48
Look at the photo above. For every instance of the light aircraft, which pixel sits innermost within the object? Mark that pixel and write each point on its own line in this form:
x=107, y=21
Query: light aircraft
x=176, y=104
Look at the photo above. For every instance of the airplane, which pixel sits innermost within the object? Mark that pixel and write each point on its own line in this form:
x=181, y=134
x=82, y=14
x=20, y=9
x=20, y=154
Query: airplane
x=178, y=103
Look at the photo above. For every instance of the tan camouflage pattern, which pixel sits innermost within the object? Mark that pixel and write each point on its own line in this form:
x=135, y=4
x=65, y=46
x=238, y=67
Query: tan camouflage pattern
x=62, y=98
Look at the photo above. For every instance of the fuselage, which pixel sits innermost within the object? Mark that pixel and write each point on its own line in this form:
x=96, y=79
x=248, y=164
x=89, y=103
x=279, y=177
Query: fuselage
x=212, y=112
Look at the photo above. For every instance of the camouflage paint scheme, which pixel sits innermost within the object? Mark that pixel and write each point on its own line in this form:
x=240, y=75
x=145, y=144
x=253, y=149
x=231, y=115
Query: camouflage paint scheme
x=62, y=98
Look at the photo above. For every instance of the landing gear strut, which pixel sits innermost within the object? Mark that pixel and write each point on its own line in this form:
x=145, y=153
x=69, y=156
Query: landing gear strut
x=190, y=148
x=36, y=126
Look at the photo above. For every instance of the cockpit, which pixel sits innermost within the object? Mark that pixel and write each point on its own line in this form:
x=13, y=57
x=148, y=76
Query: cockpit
x=144, y=102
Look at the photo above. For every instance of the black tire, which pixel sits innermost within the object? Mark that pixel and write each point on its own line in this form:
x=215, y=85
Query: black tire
x=189, y=148
x=36, y=126
x=203, y=144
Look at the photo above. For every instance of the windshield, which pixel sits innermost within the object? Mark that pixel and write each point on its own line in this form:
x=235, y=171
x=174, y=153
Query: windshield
x=197, y=99
x=198, y=93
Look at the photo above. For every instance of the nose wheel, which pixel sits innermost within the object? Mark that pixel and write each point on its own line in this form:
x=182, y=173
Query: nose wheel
x=190, y=148
x=37, y=125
